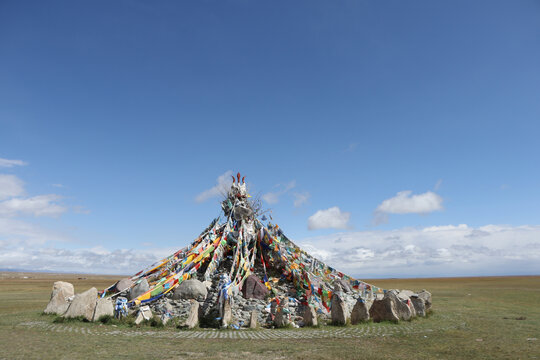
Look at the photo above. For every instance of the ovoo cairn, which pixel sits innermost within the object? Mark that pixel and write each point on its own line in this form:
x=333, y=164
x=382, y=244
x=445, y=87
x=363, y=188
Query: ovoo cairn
x=241, y=272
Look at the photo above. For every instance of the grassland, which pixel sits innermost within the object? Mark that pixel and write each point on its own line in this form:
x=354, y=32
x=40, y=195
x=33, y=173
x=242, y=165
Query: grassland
x=473, y=318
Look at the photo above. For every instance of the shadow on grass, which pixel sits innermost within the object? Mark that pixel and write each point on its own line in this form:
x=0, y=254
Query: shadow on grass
x=62, y=320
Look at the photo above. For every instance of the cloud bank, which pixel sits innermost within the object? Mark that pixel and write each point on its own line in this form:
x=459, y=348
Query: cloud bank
x=41, y=205
x=94, y=260
x=451, y=250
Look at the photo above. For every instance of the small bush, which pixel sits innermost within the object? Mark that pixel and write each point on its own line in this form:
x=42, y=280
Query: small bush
x=173, y=322
x=107, y=319
x=156, y=322
x=111, y=320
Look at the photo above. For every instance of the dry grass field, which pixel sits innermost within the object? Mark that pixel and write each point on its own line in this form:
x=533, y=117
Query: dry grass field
x=473, y=318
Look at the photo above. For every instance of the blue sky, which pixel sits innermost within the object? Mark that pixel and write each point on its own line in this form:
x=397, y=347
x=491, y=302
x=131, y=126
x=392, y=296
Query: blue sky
x=116, y=117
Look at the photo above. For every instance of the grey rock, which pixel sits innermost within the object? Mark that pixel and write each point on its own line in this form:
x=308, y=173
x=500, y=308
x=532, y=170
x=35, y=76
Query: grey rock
x=226, y=313
x=103, y=307
x=191, y=289
x=58, y=305
x=254, y=288
x=140, y=288
x=419, y=306
x=310, y=316
x=60, y=293
x=167, y=306
x=83, y=304
x=384, y=310
x=282, y=317
x=193, y=318
x=253, y=320
x=426, y=296
x=406, y=294
x=360, y=312
x=65, y=287
x=403, y=310
x=339, y=310
x=144, y=314
x=123, y=285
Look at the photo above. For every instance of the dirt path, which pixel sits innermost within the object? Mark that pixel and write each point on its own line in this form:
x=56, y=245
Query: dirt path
x=366, y=330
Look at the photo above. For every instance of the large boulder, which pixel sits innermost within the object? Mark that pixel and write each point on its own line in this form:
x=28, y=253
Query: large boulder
x=123, y=285
x=419, y=306
x=404, y=308
x=360, y=312
x=140, y=288
x=190, y=289
x=83, y=304
x=253, y=288
x=339, y=310
x=193, y=318
x=426, y=296
x=384, y=310
x=405, y=294
x=310, y=316
x=59, y=298
x=58, y=305
x=65, y=287
x=103, y=307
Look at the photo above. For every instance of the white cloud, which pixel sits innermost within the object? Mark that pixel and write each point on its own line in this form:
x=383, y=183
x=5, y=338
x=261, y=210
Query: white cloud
x=273, y=197
x=223, y=184
x=18, y=233
x=332, y=218
x=10, y=186
x=449, y=250
x=41, y=205
x=94, y=260
x=406, y=203
x=28, y=246
x=301, y=198
x=11, y=163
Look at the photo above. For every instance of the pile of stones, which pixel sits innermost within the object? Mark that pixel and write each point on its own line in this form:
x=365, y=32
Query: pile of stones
x=195, y=303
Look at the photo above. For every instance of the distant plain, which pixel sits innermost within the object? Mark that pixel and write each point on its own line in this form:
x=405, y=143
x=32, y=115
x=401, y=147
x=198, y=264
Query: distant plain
x=473, y=318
